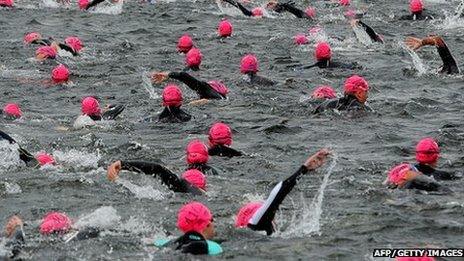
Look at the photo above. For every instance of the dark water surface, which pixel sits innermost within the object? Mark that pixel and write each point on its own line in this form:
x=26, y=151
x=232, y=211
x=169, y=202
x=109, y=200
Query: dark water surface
x=272, y=124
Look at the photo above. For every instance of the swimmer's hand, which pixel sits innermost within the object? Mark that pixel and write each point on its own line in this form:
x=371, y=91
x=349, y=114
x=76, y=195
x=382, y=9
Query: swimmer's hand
x=199, y=102
x=354, y=22
x=113, y=170
x=410, y=175
x=159, y=77
x=11, y=225
x=317, y=160
x=413, y=43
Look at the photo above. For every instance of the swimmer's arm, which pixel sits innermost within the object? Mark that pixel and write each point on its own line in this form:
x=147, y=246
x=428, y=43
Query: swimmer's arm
x=290, y=7
x=243, y=9
x=329, y=104
x=7, y=137
x=67, y=48
x=94, y=3
x=444, y=175
x=186, y=78
x=372, y=34
x=422, y=182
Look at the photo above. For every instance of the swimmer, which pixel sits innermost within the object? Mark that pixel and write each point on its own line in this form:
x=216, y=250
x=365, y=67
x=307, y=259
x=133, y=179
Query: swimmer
x=198, y=156
x=322, y=93
x=72, y=45
x=91, y=107
x=193, y=59
x=406, y=176
x=376, y=38
x=225, y=29
x=184, y=44
x=220, y=138
x=172, y=101
x=323, y=55
x=416, y=7
x=6, y=3
x=289, y=6
x=449, y=63
x=206, y=90
x=249, y=66
x=260, y=216
x=427, y=154
x=196, y=222
x=192, y=181
x=256, y=12
x=355, y=96
x=12, y=111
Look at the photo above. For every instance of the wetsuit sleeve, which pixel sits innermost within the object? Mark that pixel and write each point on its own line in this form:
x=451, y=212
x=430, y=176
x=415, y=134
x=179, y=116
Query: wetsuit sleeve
x=444, y=175
x=204, y=90
x=171, y=180
x=262, y=219
x=67, y=48
x=24, y=155
x=7, y=137
x=326, y=105
x=94, y=3
x=174, y=114
x=449, y=64
x=290, y=7
x=423, y=183
x=224, y=151
x=372, y=34
x=113, y=112
x=244, y=10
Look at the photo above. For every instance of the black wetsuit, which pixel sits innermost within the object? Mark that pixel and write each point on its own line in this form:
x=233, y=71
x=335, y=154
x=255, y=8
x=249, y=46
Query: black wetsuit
x=242, y=8
x=449, y=63
x=203, y=89
x=259, y=80
x=174, y=114
x=328, y=64
x=223, y=151
x=436, y=174
x=190, y=243
x=48, y=42
x=290, y=7
x=44, y=42
x=94, y=3
x=24, y=155
x=204, y=168
x=171, y=180
x=416, y=16
x=348, y=102
x=264, y=216
x=423, y=182
x=112, y=112
x=372, y=34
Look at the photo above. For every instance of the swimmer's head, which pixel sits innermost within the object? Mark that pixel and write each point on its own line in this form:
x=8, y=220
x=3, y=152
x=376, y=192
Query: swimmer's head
x=358, y=87
x=12, y=110
x=324, y=92
x=225, y=28
x=416, y=6
x=74, y=42
x=427, y=151
x=344, y=2
x=55, y=222
x=172, y=96
x=45, y=159
x=31, y=37
x=193, y=58
x=400, y=174
x=185, y=43
x=300, y=39
x=45, y=52
x=246, y=213
x=196, y=217
x=83, y=4
x=257, y=12
x=7, y=3
x=310, y=12
x=195, y=178
x=90, y=107
x=249, y=64
x=197, y=152
x=323, y=52
x=219, y=87
x=220, y=134
x=60, y=74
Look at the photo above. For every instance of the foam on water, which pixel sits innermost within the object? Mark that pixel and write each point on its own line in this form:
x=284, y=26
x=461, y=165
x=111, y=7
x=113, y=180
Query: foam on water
x=112, y=9
x=141, y=191
x=78, y=158
x=12, y=188
x=9, y=156
x=83, y=121
x=228, y=9
x=362, y=36
x=420, y=67
x=453, y=21
x=146, y=84
x=103, y=217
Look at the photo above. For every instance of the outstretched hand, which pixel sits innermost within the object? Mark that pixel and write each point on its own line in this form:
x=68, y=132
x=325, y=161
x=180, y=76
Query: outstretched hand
x=317, y=160
x=113, y=170
x=413, y=43
x=11, y=225
x=159, y=77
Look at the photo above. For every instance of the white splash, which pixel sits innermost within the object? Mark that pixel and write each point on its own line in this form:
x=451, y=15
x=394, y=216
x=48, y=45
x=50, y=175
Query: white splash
x=12, y=188
x=308, y=222
x=83, y=121
x=77, y=158
x=453, y=21
x=420, y=67
x=53, y=4
x=317, y=34
x=227, y=9
x=146, y=84
x=9, y=156
x=103, y=217
x=112, y=9
x=362, y=36
x=141, y=191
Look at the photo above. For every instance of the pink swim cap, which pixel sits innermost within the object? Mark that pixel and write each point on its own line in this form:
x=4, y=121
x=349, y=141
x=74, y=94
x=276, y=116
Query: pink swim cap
x=397, y=174
x=74, y=42
x=12, y=110
x=172, y=96
x=324, y=92
x=257, y=12
x=416, y=6
x=196, y=178
x=90, y=107
x=424, y=258
x=44, y=159
x=249, y=64
x=225, y=28
x=194, y=216
x=83, y=4
x=323, y=52
x=184, y=44
x=46, y=52
x=300, y=39
x=427, y=151
x=55, y=222
x=311, y=12
x=354, y=84
x=193, y=58
x=219, y=87
x=30, y=37
x=344, y=2
x=220, y=134
x=7, y=3
x=197, y=152
x=350, y=13
x=60, y=74
x=246, y=213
